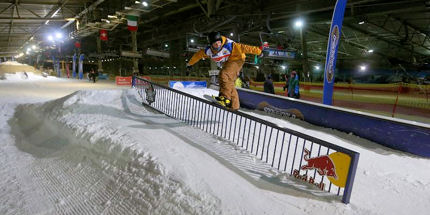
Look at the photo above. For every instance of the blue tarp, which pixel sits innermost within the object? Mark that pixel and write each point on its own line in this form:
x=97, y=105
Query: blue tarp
x=103, y=76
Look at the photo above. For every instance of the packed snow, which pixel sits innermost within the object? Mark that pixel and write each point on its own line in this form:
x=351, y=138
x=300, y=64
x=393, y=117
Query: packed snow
x=12, y=63
x=74, y=147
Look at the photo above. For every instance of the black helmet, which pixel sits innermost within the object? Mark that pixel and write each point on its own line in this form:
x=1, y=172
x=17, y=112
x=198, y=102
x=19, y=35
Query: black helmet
x=213, y=37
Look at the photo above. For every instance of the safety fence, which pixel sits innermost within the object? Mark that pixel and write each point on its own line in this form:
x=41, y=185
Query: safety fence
x=324, y=167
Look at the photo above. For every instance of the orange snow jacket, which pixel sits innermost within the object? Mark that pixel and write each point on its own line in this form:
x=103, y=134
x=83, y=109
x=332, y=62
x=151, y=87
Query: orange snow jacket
x=230, y=51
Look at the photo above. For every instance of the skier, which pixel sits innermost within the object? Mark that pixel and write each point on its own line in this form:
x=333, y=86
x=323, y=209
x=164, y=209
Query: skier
x=230, y=56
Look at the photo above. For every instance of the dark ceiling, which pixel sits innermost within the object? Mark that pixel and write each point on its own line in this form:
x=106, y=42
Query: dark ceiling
x=396, y=30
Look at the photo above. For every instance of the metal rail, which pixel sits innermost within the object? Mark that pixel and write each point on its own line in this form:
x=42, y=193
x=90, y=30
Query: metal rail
x=284, y=149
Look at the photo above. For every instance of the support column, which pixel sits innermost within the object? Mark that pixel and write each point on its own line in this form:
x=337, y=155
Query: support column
x=134, y=48
x=305, y=62
x=99, y=52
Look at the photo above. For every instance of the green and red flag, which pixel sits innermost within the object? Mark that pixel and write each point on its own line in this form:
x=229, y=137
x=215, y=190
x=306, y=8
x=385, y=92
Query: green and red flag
x=132, y=22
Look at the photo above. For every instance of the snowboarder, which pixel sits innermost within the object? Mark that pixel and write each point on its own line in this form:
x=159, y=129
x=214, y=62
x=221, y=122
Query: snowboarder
x=230, y=56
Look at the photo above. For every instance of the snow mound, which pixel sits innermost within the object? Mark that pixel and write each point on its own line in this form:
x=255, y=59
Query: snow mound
x=78, y=132
x=15, y=67
x=26, y=77
x=12, y=63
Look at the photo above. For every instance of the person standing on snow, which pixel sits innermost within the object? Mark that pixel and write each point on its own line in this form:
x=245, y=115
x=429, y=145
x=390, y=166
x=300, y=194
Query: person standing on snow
x=230, y=56
x=268, y=85
x=293, y=85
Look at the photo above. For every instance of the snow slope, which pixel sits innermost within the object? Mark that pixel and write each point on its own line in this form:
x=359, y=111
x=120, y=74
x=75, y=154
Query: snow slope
x=387, y=181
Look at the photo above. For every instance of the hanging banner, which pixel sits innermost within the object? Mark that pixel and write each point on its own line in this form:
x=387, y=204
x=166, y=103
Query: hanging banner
x=74, y=66
x=332, y=45
x=81, y=66
x=279, y=54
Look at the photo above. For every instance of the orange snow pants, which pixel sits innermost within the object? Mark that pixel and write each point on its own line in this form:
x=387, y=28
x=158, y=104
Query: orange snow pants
x=227, y=77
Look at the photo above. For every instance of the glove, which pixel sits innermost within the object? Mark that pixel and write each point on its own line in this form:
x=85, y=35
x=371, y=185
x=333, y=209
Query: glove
x=262, y=53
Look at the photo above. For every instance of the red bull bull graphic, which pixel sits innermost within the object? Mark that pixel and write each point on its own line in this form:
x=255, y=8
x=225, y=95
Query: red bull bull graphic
x=334, y=166
x=323, y=164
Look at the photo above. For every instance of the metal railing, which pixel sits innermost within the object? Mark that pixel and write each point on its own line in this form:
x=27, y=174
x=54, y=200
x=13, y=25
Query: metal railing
x=284, y=149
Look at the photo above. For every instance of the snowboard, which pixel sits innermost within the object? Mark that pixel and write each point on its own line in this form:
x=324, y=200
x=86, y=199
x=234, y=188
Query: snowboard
x=211, y=98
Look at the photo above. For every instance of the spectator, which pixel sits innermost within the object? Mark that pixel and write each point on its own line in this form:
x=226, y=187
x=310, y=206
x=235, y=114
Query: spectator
x=285, y=87
x=93, y=75
x=293, y=86
x=268, y=85
x=133, y=79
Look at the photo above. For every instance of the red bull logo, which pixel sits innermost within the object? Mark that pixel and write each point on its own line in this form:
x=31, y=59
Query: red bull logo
x=323, y=164
x=335, y=166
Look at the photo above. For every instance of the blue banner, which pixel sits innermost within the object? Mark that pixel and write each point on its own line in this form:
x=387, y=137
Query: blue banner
x=332, y=45
x=187, y=84
x=74, y=66
x=408, y=137
x=279, y=54
x=81, y=66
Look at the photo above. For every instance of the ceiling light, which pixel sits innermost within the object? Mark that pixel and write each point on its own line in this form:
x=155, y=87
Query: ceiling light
x=317, y=67
x=363, y=68
x=283, y=67
x=112, y=17
x=370, y=51
x=58, y=35
x=299, y=23
x=361, y=22
x=33, y=47
x=145, y=4
x=231, y=34
x=50, y=38
x=192, y=40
